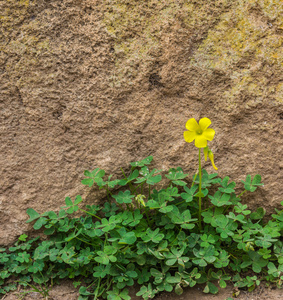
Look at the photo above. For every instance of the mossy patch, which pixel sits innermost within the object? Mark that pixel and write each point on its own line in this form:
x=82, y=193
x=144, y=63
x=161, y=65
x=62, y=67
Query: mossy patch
x=247, y=38
x=141, y=30
x=21, y=41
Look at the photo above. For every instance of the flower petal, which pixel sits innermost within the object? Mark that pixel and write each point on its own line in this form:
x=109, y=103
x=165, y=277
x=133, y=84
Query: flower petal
x=200, y=141
x=211, y=157
x=204, y=123
x=209, y=134
x=189, y=136
x=192, y=125
x=205, y=152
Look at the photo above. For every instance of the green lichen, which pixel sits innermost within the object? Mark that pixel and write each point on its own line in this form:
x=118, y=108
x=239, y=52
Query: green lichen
x=246, y=36
x=140, y=27
x=19, y=38
x=243, y=36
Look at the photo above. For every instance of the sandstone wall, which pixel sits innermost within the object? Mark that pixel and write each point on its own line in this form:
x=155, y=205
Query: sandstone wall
x=100, y=83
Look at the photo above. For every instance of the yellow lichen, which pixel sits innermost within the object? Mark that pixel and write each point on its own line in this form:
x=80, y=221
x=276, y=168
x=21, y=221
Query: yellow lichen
x=138, y=27
x=245, y=35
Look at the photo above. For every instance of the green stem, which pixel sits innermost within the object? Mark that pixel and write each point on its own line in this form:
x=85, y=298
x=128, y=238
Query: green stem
x=129, y=183
x=107, y=193
x=142, y=188
x=135, y=189
x=241, y=194
x=194, y=179
x=175, y=237
x=97, y=289
x=147, y=216
x=87, y=212
x=199, y=191
x=83, y=241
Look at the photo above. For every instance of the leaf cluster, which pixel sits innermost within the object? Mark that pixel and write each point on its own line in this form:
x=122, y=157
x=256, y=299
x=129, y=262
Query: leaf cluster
x=150, y=236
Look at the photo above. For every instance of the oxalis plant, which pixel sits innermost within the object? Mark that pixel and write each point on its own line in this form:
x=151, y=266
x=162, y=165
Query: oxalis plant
x=164, y=239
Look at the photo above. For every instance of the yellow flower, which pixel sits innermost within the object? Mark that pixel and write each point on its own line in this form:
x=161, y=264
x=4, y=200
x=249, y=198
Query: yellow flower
x=199, y=132
x=206, y=151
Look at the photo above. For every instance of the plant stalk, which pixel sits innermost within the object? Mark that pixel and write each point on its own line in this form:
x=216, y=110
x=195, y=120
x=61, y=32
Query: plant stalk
x=199, y=191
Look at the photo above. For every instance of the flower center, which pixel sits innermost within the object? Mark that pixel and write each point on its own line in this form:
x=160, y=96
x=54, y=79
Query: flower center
x=199, y=132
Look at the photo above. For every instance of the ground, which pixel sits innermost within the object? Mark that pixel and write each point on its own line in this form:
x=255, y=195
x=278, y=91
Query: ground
x=66, y=291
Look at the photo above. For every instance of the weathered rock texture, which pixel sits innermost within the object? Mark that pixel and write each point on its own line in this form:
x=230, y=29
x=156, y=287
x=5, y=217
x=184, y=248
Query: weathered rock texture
x=100, y=83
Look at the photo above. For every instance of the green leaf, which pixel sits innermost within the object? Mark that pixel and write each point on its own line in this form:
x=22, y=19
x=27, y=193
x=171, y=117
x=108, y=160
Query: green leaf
x=227, y=188
x=124, y=197
x=101, y=271
x=68, y=201
x=210, y=288
x=88, y=181
x=142, y=163
x=39, y=223
x=95, y=176
x=190, y=193
x=32, y=214
x=153, y=236
x=166, y=209
x=129, y=238
x=251, y=185
x=258, y=214
x=178, y=289
x=148, y=176
x=220, y=199
x=132, y=176
x=176, y=174
x=207, y=179
x=83, y=291
x=78, y=200
x=22, y=238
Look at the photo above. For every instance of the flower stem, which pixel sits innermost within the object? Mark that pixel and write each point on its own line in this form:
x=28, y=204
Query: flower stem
x=87, y=212
x=199, y=191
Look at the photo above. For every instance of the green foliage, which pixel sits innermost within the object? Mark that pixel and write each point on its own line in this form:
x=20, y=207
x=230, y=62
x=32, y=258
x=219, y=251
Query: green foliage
x=151, y=238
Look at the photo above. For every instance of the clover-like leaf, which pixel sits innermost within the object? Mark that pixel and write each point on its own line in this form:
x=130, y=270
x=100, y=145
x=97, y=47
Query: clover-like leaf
x=124, y=197
x=128, y=238
x=147, y=292
x=117, y=294
x=255, y=260
x=32, y=214
x=210, y=216
x=23, y=257
x=219, y=199
x=131, y=177
x=176, y=256
x=94, y=176
x=184, y=219
x=207, y=240
x=175, y=175
x=222, y=260
x=251, y=185
x=153, y=236
x=149, y=177
x=242, y=209
x=143, y=162
x=225, y=227
x=258, y=214
x=72, y=207
x=189, y=195
x=207, y=179
x=227, y=188
x=101, y=270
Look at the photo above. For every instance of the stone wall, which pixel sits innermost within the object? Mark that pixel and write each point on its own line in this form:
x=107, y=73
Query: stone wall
x=100, y=83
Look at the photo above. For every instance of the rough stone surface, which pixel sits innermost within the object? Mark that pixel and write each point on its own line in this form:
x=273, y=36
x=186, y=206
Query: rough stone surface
x=100, y=83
